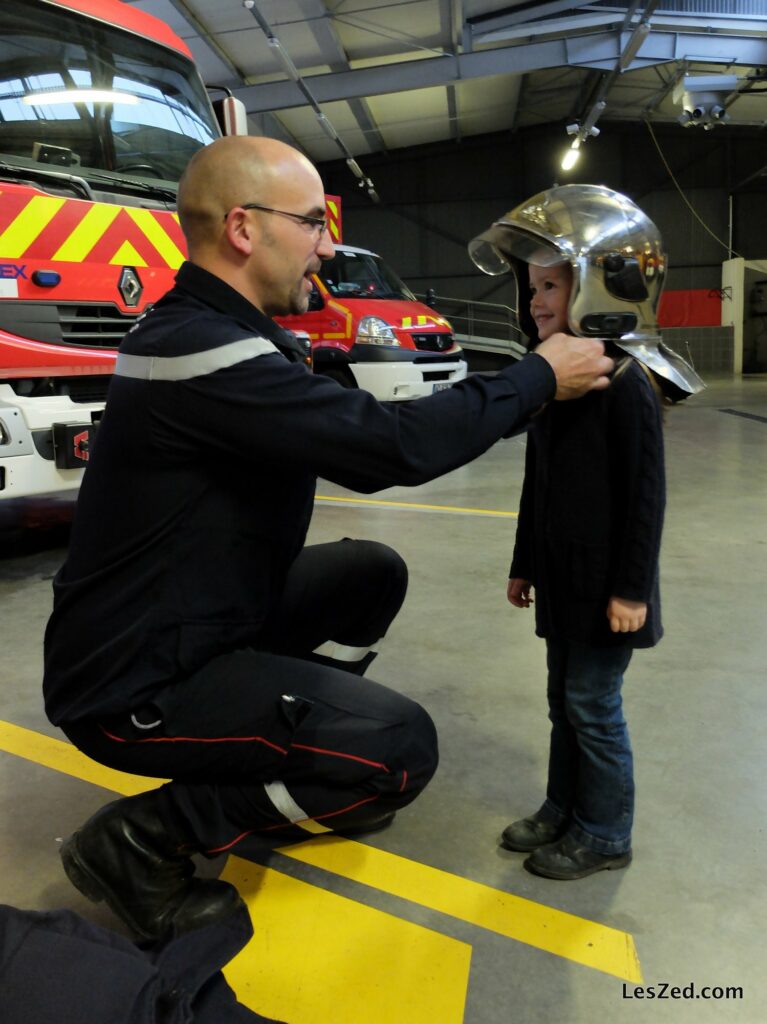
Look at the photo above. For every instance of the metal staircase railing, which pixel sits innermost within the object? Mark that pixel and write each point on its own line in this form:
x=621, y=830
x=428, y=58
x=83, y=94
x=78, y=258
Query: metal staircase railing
x=483, y=326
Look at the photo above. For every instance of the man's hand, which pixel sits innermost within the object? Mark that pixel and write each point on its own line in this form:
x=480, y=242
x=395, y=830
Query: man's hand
x=580, y=364
x=518, y=593
x=626, y=616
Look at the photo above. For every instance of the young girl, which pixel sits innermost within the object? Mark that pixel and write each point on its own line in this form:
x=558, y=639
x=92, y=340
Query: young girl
x=588, y=537
x=589, y=261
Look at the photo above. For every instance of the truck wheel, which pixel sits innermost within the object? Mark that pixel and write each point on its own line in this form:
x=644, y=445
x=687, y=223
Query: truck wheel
x=340, y=375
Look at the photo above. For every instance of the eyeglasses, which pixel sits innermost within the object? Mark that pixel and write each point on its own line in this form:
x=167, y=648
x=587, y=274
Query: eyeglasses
x=318, y=224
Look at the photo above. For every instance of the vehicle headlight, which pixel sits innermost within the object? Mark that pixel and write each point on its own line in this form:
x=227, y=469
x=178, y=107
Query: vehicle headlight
x=375, y=331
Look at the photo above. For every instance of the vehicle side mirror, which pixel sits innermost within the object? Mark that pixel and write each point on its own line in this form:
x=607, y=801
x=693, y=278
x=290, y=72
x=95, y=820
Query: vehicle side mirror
x=431, y=297
x=315, y=300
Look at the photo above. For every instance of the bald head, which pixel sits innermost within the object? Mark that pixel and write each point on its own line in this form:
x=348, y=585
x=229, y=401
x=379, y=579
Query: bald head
x=232, y=171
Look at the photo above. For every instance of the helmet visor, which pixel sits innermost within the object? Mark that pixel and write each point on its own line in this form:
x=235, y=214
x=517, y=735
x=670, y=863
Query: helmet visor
x=494, y=250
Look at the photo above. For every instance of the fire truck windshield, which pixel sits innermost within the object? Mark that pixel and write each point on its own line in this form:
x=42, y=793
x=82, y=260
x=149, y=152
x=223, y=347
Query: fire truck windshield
x=361, y=275
x=92, y=100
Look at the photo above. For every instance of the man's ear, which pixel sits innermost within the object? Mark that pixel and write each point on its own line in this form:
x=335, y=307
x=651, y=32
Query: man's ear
x=239, y=232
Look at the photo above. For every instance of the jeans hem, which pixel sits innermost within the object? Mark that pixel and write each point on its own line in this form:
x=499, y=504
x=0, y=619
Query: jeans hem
x=597, y=845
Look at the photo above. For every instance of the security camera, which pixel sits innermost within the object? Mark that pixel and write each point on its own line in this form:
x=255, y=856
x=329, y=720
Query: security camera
x=703, y=99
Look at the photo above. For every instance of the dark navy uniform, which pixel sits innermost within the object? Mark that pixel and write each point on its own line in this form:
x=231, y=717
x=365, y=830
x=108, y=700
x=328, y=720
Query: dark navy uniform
x=193, y=635
x=57, y=968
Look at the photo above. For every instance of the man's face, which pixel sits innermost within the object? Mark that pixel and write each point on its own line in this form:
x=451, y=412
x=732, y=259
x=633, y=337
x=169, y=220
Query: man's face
x=290, y=250
x=550, y=288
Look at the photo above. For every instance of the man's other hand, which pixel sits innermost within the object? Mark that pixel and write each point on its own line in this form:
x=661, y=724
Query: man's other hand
x=580, y=364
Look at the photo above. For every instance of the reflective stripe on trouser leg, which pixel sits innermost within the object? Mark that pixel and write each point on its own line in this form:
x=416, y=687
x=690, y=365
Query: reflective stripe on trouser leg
x=287, y=806
x=344, y=653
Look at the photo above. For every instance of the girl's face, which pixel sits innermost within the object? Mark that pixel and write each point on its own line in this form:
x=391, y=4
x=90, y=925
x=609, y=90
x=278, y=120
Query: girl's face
x=550, y=287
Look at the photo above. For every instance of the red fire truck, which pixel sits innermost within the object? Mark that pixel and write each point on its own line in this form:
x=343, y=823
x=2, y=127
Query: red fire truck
x=101, y=108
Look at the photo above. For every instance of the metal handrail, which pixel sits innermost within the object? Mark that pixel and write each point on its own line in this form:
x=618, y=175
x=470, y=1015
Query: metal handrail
x=505, y=327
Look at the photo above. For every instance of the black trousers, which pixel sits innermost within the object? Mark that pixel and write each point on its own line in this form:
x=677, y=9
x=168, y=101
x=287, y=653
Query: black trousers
x=280, y=738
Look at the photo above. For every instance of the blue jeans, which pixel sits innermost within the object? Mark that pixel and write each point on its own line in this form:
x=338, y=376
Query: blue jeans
x=591, y=768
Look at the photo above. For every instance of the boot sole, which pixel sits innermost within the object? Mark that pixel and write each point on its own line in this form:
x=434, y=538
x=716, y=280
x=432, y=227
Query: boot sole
x=566, y=876
x=86, y=881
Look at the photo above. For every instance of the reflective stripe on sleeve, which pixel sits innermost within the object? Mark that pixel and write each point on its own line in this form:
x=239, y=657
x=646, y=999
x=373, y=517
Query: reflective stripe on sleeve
x=288, y=808
x=196, y=364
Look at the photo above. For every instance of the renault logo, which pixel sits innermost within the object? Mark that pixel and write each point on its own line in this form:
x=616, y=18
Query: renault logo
x=130, y=286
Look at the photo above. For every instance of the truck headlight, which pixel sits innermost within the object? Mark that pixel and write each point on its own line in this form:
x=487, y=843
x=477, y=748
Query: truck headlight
x=375, y=331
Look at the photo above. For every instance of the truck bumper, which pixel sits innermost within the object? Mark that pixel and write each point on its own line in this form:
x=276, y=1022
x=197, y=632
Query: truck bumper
x=399, y=381
x=29, y=464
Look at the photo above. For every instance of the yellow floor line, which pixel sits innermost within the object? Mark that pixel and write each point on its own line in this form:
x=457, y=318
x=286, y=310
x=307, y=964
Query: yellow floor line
x=63, y=757
x=417, y=507
x=565, y=935
x=317, y=957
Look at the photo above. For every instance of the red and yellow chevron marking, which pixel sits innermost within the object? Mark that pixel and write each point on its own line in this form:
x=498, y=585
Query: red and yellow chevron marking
x=347, y=314
x=46, y=227
x=76, y=231
x=424, y=321
x=333, y=209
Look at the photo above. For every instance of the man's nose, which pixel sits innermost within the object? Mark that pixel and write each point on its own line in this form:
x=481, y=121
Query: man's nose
x=325, y=248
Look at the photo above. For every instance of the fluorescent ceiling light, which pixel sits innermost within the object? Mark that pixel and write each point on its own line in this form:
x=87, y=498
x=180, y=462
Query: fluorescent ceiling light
x=44, y=99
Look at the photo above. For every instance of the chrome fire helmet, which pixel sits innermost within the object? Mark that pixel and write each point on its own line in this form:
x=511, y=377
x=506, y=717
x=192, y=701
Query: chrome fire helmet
x=618, y=263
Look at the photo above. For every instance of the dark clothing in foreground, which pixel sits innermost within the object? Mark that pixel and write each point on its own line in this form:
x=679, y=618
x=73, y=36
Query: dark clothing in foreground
x=185, y=597
x=57, y=968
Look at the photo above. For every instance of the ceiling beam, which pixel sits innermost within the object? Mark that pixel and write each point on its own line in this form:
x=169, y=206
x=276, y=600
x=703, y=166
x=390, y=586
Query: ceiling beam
x=333, y=53
x=595, y=50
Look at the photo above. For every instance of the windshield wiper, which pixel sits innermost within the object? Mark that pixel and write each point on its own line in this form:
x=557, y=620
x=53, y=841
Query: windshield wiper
x=77, y=183
x=158, y=191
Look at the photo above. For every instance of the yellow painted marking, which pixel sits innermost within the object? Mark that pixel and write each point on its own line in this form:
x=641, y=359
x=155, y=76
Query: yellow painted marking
x=333, y=207
x=87, y=233
x=407, y=321
x=348, y=315
x=24, y=229
x=332, y=337
x=63, y=757
x=126, y=255
x=157, y=235
x=565, y=935
x=415, y=506
x=317, y=957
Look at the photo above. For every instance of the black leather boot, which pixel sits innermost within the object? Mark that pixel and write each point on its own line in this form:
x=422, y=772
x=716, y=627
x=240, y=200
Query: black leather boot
x=529, y=833
x=568, y=860
x=136, y=861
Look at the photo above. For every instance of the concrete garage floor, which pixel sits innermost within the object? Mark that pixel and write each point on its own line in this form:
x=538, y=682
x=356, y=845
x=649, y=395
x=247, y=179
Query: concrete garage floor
x=424, y=922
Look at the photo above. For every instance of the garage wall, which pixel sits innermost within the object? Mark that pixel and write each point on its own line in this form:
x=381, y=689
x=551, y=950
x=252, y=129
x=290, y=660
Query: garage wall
x=436, y=197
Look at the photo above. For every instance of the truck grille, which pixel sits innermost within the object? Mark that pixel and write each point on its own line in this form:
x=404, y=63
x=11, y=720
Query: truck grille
x=93, y=326
x=432, y=342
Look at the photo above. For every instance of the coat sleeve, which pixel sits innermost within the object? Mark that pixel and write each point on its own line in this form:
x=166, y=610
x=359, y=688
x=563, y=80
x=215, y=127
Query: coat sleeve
x=636, y=435
x=269, y=410
x=522, y=559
